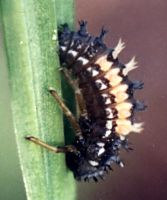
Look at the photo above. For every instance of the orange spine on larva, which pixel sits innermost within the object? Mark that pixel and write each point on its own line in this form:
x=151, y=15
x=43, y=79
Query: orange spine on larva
x=119, y=89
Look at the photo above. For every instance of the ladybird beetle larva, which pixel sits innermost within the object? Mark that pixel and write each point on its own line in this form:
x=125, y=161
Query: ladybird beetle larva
x=104, y=95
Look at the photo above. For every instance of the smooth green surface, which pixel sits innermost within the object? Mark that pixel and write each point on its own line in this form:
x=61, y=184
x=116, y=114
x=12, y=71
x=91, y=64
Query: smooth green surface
x=11, y=184
x=68, y=94
x=65, y=15
x=28, y=29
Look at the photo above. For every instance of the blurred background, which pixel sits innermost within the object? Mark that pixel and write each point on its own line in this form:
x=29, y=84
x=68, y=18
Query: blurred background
x=143, y=26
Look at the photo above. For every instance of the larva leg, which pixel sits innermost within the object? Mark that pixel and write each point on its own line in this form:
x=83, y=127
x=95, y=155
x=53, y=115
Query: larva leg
x=77, y=91
x=64, y=149
x=66, y=111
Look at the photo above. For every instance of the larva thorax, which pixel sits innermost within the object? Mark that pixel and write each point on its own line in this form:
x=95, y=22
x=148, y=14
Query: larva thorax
x=108, y=97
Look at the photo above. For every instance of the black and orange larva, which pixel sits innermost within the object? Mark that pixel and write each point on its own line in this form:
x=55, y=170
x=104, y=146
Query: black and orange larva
x=105, y=97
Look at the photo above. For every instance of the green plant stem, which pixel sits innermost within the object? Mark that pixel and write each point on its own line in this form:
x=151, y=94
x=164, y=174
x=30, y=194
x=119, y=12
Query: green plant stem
x=68, y=16
x=68, y=95
x=33, y=67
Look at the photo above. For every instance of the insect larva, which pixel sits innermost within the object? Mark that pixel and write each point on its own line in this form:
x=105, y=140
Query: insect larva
x=105, y=98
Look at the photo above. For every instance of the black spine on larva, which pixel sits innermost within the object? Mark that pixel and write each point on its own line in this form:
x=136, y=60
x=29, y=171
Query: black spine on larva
x=102, y=137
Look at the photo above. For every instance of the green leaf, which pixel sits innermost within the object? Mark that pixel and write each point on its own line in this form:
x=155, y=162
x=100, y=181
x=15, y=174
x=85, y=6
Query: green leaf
x=33, y=67
x=68, y=94
x=64, y=12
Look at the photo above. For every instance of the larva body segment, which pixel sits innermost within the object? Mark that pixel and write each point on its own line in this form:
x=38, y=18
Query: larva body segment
x=108, y=97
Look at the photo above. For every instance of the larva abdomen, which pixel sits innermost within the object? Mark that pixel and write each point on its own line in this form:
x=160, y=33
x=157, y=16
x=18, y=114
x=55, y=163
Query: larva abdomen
x=107, y=96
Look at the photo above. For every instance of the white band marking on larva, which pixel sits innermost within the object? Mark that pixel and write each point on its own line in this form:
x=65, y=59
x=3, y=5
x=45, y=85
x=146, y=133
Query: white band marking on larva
x=93, y=163
x=104, y=95
x=72, y=43
x=63, y=48
x=107, y=99
x=109, y=124
x=102, y=85
x=79, y=46
x=92, y=71
x=84, y=60
x=107, y=133
x=95, y=72
x=101, y=150
x=122, y=137
x=89, y=69
x=100, y=144
x=109, y=113
x=73, y=52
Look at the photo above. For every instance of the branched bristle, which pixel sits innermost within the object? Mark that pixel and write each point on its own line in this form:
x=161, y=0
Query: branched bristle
x=119, y=47
x=103, y=33
x=132, y=64
x=83, y=28
x=139, y=105
x=83, y=23
x=137, y=127
x=137, y=85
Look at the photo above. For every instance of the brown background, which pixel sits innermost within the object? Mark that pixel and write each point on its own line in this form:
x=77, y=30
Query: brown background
x=142, y=25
